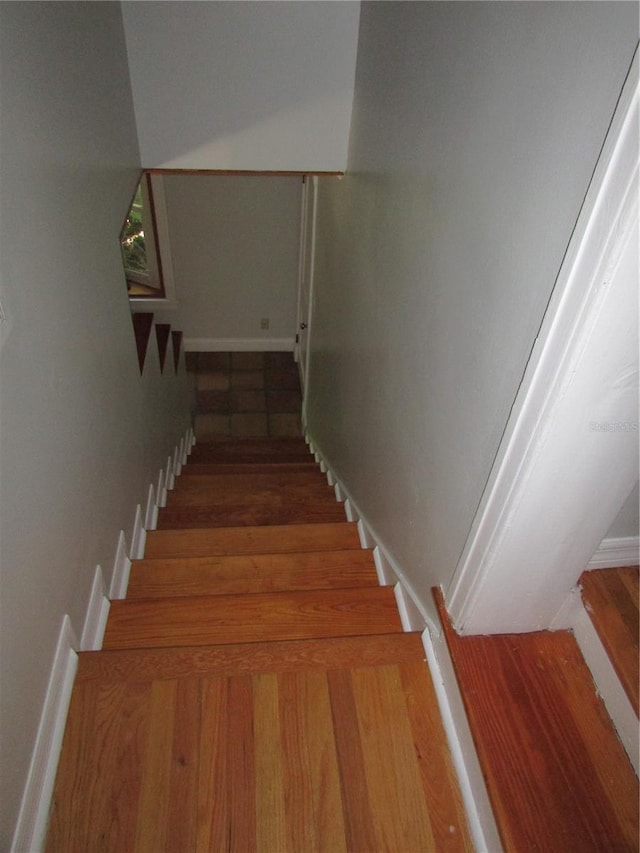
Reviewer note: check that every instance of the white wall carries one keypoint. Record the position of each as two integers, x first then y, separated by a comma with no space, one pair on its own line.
81,434
626,523
252,85
475,131
235,245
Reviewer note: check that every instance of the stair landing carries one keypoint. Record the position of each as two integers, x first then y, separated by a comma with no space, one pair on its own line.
557,775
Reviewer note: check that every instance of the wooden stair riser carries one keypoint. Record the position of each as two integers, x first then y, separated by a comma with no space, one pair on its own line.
233,492
257,444
203,469
274,539
252,451
251,574
211,620
251,515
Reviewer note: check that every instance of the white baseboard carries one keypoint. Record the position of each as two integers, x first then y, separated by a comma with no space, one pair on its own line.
161,491
239,344
386,566
170,476
482,824
138,537
573,616
177,462
608,684
151,511
121,569
36,801
611,553
97,613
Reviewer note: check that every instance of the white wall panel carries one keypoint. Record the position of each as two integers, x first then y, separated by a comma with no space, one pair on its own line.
476,128
81,433
251,85
235,246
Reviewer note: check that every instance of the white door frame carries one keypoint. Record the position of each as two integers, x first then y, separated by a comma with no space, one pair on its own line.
305,281
568,457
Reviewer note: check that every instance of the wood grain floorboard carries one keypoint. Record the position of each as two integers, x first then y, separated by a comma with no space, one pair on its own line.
186,751
252,513
358,815
252,573
446,810
313,801
271,819
213,830
153,806
211,620
249,658
557,775
95,759
391,769
274,539
611,599
241,766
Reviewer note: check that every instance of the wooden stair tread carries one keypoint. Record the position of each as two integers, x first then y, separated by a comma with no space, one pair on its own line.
348,759
210,620
250,658
557,775
275,539
202,469
611,599
251,513
251,573
253,490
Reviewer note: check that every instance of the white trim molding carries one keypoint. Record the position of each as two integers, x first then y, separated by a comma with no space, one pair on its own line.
121,569
568,458
36,801
97,614
151,511
609,686
482,824
239,344
389,572
138,537
614,552
573,616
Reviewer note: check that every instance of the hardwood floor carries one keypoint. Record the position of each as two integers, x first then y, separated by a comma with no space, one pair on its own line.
256,691
611,599
556,773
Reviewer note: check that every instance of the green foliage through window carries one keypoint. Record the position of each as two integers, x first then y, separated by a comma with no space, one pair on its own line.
134,252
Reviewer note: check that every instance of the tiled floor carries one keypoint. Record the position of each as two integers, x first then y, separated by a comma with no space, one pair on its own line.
246,394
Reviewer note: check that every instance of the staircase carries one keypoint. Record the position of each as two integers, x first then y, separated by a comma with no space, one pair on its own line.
255,690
